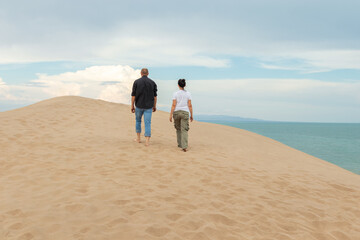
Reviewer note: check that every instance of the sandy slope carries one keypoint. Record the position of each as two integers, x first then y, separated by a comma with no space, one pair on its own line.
70,170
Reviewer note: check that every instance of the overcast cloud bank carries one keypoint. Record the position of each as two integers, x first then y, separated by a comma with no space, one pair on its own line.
320,35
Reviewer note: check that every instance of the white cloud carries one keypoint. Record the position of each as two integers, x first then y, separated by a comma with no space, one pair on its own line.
93,74
332,59
3,87
313,61
110,83
119,92
5,91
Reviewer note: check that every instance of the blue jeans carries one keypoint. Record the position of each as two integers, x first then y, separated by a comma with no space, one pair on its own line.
139,112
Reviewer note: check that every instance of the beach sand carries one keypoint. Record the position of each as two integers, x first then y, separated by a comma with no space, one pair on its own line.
69,169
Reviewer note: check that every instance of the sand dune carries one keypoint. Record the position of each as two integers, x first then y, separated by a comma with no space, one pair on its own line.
70,170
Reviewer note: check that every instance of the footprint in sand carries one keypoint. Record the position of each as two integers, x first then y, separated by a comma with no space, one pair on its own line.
16,213
174,216
26,236
121,202
16,226
193,225
157,231
218,218
116,222
74,207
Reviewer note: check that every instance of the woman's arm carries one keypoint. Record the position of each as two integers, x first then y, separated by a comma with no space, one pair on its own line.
172,109
191,110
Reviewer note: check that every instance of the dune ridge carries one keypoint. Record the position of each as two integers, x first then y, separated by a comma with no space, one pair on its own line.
69,169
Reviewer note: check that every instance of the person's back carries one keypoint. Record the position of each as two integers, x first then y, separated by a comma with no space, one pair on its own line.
143,96
144,90
182,97
180,110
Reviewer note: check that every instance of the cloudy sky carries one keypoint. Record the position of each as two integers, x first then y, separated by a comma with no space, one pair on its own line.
281,60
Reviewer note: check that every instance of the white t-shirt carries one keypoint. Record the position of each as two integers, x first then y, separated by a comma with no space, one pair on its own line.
182,97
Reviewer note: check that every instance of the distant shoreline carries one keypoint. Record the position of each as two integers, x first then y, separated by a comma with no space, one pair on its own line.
333,142
225,118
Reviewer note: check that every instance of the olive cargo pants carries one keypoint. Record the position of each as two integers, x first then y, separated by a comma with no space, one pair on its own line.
181,122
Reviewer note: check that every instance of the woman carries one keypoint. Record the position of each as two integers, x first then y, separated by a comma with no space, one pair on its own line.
180,109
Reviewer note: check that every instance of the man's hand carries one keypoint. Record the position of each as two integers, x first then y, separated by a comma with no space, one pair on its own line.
191,118
170,118
154,109
133,109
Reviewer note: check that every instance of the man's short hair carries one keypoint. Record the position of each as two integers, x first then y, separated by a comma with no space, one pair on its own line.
144,71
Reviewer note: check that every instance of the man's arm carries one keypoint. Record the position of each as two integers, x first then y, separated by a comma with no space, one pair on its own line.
132,104
155,97
133,93
154,107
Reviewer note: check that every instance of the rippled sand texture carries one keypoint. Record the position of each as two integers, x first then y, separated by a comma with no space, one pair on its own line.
69,169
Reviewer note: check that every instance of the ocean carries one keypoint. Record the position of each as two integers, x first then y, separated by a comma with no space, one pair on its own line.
338,143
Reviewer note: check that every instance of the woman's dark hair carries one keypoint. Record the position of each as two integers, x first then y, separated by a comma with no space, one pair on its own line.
182,83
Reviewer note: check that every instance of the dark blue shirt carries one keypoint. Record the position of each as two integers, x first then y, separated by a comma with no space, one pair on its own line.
144,89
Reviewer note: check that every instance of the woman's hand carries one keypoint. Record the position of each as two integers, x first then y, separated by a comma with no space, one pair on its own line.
191,118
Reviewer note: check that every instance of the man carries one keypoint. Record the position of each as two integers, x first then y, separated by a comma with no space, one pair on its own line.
144,95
